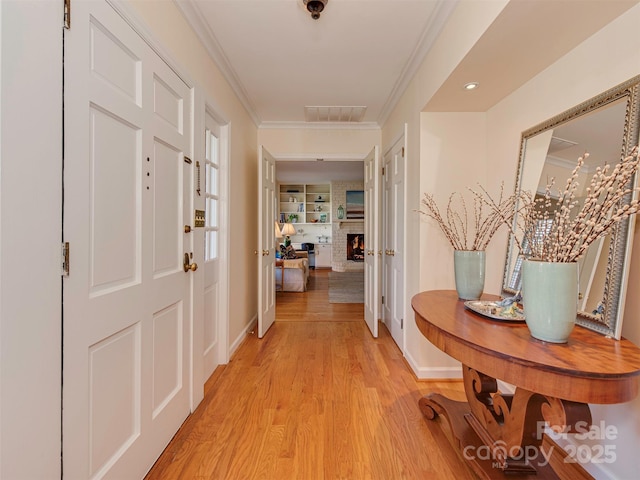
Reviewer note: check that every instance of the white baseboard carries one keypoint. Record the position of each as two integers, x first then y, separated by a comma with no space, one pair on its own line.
251,327
433,373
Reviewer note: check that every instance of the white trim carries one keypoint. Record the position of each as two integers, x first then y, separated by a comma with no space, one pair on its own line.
320,125
197,302
406,313
133,19
192,14
433,373
309,157
429,35
225,236
250,329
569,164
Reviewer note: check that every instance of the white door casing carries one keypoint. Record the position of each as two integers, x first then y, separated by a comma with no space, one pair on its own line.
371,229
267,241
213,288
127,300
394,241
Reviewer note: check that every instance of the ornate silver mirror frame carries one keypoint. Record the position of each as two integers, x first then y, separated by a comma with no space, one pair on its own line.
607,127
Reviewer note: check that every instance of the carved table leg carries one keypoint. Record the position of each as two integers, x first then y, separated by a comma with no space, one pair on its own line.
506,430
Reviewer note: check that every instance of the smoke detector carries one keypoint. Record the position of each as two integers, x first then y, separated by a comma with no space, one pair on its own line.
315,7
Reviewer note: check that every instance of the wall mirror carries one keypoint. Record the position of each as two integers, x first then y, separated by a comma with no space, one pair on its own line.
606,126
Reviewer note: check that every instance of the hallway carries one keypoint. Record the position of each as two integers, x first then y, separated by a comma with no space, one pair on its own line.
317,398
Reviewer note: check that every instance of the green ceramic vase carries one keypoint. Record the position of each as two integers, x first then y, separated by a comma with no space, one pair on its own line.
550,299
469,267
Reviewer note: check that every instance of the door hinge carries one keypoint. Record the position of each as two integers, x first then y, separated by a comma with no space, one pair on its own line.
402,152
382,299
383,171
67,14
401,323
65,259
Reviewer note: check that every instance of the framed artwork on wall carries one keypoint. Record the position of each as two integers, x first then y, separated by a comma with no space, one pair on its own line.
355,204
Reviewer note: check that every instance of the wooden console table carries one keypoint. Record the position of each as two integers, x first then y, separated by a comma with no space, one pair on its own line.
554,384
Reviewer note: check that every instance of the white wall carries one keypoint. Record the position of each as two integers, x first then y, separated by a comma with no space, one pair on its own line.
30,238
319,140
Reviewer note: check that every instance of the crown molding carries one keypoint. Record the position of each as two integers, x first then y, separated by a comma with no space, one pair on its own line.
194,17
569,164
429,35
320,125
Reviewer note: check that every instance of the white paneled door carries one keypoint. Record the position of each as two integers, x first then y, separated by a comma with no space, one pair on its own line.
371,238
127,299
267,241
394,241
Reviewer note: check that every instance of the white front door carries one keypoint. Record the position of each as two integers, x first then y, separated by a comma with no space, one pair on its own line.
394,216
267,241
371,229
127,299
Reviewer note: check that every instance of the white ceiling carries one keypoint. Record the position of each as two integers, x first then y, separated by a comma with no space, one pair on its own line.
359,53
363,53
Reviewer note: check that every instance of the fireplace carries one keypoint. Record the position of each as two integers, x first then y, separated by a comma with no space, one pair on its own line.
355,247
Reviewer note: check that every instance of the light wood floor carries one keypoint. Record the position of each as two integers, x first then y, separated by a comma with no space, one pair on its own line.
317,398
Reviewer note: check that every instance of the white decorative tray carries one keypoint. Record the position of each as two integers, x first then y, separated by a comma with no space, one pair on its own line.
513,313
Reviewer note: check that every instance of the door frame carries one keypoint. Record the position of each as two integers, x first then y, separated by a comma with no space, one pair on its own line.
203,104
30,385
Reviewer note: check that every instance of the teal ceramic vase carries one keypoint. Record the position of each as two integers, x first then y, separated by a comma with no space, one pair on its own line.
469,267
550,299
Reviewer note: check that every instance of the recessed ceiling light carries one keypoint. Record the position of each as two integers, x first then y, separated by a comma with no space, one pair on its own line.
471,85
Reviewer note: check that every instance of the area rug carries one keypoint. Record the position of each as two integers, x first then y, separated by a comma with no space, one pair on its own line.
346,287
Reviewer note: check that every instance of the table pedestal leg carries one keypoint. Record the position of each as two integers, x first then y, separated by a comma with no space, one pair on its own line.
500,434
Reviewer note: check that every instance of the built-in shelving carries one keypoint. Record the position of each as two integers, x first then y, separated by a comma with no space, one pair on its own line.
305,203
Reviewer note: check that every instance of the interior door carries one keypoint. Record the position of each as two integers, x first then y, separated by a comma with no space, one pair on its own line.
212,285
394,241
127,299
267,242
371,229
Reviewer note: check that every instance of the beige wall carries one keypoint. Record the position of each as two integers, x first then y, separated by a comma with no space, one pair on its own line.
608,58
489,153
170,29
465,26
322,141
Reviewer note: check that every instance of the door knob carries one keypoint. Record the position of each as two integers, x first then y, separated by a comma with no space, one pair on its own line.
188,265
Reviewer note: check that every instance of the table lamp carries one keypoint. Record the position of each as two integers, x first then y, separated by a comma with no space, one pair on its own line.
287,230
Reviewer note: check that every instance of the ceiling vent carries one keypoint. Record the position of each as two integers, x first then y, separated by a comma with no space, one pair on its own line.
334,114
557,144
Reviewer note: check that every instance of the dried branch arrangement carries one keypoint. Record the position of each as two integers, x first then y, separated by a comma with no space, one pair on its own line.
561,228
455,221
